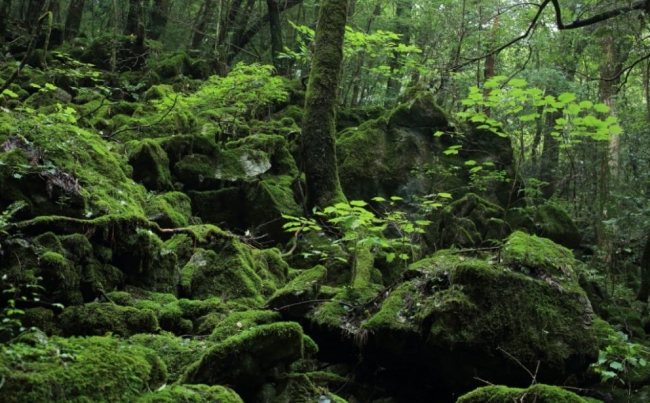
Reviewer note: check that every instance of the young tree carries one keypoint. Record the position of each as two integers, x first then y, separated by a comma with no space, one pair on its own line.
319,125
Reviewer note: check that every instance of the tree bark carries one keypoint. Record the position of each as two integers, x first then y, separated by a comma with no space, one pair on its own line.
4,19
276,35
158,18
644,290
403,16
319,119
199,33
73,19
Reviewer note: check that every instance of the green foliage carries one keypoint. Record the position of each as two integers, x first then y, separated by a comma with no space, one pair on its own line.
229,101
620,357
518,107
360,228
18,295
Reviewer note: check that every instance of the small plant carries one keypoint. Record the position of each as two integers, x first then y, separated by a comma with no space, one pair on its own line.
619,358
361,228
10,317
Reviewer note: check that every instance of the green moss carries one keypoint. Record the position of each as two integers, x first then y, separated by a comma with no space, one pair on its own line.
548,221
236,323
537,393
537,253
469,222
107,318
177,353
40,318
229,273
94,369
305,287
170,210
246,357
122,298
191,394
150,164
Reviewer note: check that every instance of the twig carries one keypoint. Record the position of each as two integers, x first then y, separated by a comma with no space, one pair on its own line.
301,303
483,380
145,126
533,376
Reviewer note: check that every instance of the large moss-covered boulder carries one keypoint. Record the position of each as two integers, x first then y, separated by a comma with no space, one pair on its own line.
461,317
549,221
538,393
244,361
191,394
107,318
293,298
470,221
415,152
169,210
97,369
150,165
230,271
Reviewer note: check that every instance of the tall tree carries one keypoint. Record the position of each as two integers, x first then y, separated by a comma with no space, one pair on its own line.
275,29
204,17
73,19
158,17
319,119
4,19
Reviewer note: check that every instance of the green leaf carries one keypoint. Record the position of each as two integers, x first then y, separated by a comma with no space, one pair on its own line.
616,365
444,195
50,86
358,203
566,97
470,163
601,108
517,82
9,93
378,199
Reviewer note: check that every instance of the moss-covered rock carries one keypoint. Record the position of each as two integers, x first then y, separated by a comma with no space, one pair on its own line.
468,222
106,318
305,287
150,165
191,394
474,314
177,353
549,221
238,322
537,393
170,210
98,369
245,360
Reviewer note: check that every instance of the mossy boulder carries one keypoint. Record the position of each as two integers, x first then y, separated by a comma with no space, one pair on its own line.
106,318
293,296
230,273
150,165
97,369
170,210
191,394
470,315
244,361
549,221
470,221
176,352
538,393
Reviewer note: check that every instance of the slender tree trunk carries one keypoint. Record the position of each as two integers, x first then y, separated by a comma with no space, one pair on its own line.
276,35
73,19
319,120
158,19
202,26
403,15
644,291
4,19
550,156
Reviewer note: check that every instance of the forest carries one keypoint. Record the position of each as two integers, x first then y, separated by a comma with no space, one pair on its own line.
334,201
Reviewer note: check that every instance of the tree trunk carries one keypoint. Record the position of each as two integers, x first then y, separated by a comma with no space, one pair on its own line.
644,291
403,15
73,19
135,21
550,156
201,27
4,19
319,119
158,19
276,35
